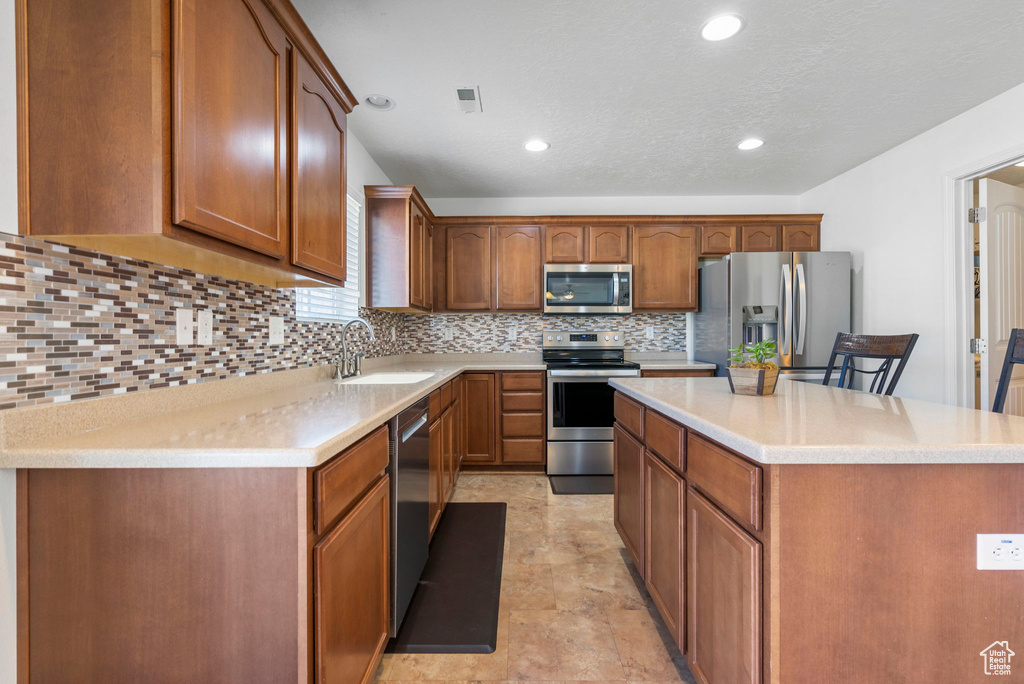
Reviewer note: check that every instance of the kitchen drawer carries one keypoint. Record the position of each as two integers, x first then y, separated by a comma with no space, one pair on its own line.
522,425
522,381
522,401
629,414
733,482
522,451
679,373
435,405
446,395
339,484
665,438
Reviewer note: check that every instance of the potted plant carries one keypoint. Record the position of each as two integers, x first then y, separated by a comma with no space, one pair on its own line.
756,375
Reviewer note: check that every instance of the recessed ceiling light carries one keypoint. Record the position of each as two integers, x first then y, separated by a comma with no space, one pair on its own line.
381,103
721,27
537,145
750,144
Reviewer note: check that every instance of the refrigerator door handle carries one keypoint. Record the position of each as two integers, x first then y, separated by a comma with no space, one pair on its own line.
786,309
801,308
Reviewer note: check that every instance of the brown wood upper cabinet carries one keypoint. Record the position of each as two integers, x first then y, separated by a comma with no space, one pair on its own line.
517,267
760,238
399,249
468,266
586,244
719,240
230,77
665,268
801,238
213,103
319,188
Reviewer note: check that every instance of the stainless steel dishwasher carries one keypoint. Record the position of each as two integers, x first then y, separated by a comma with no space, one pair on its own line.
410,513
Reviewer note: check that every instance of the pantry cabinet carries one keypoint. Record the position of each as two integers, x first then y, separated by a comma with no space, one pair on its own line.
399,249
212,102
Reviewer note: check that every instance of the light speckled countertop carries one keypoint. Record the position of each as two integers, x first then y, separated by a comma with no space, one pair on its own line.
297,418
811,424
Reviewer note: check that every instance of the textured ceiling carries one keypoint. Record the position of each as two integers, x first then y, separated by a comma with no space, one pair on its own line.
634,102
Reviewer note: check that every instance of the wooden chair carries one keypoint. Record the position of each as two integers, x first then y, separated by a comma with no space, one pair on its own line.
1014,354
887,348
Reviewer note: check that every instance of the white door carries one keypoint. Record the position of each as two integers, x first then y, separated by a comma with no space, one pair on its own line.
1002,286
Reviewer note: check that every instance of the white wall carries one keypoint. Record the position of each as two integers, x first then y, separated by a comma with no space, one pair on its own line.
548,206
8,224
889,213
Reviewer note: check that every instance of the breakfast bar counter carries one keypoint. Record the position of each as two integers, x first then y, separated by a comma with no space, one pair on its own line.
820,534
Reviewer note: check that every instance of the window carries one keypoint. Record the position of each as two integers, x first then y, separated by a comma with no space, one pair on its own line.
336,304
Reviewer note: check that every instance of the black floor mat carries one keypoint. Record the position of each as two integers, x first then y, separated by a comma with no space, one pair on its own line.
455,607
582,484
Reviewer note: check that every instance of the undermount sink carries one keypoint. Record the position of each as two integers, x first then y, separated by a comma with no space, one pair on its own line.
400,378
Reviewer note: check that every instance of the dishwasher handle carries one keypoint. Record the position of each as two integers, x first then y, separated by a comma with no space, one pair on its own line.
411,430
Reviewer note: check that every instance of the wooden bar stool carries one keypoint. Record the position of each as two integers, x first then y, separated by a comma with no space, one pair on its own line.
887,348
1014,354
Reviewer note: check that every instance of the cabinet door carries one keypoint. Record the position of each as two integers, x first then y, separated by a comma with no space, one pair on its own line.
608,244
230,80
435,490
760,238
351,568
719,240
564,245
629,494
448,456
427,275
724,601
665,268
801,238
665,544
479,397
458,437
469,268
517,266
318,167
417,251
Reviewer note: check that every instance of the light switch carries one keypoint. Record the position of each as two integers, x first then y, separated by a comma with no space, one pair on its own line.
204,328
649,332
276,330
1001,551
184,326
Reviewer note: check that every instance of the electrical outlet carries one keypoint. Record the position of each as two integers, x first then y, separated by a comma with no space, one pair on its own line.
449,335
184,326
204,329
1001,551
394,334
513,334
649,332
276,330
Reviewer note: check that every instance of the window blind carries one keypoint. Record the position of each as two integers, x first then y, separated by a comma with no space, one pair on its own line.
336,304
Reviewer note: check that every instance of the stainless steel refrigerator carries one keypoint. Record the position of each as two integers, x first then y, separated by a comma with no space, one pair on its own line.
799,299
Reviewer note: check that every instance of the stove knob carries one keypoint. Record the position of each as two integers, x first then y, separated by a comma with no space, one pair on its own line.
559,338
549,338
606,338
616,338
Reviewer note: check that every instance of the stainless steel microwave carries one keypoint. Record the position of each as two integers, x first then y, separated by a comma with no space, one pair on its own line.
588,288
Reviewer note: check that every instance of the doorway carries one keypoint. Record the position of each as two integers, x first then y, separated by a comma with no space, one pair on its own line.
996,280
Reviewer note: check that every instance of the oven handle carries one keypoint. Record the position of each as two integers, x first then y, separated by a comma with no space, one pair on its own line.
624,373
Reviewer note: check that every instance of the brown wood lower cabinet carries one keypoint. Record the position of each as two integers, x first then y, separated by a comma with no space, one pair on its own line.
665,544
677,373
435,488
724,603
205,574
629,494
479,412
351,567
521,420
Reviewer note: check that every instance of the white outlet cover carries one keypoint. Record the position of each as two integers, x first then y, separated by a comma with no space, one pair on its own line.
649,332
1001,551
184,327
449,335
513,334
276,330
204,328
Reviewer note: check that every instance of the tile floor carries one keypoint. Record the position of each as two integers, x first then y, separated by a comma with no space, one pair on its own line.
572,609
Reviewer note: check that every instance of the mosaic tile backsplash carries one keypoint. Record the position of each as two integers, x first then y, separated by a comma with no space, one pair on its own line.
76,324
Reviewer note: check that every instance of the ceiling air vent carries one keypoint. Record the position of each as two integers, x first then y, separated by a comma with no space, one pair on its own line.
468,99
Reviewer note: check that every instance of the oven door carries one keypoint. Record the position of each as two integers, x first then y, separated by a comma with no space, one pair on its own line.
588,288
581,404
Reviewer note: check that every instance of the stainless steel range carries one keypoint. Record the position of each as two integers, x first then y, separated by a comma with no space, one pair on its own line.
580,400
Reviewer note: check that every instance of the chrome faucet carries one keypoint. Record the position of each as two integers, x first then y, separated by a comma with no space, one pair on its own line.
347,366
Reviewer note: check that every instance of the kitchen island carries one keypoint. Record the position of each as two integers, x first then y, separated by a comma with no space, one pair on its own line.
821,535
